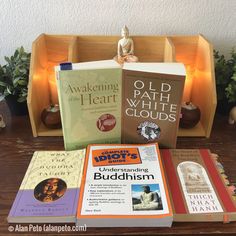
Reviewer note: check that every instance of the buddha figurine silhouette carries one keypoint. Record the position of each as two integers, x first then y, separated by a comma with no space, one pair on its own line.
125,50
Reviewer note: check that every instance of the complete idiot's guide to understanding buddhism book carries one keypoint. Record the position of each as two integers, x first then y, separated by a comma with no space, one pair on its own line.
50,189
101,103
124,186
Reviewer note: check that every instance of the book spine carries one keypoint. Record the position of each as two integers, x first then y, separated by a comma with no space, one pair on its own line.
173,182
66,66
229,186
217,181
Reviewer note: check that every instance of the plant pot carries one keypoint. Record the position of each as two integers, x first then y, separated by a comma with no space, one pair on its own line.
191,115
16,108
224,107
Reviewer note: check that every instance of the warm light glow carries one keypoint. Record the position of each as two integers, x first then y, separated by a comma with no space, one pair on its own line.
188,83
37,77
52,86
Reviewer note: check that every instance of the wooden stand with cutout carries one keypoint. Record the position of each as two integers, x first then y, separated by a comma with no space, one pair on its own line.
51,50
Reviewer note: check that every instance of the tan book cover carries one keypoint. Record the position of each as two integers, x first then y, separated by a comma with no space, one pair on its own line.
151,102
198,189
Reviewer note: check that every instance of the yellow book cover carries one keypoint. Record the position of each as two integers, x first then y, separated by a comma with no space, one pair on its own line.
50,188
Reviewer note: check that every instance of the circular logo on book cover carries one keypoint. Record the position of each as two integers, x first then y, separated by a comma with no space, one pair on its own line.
149,131
50,190
106,122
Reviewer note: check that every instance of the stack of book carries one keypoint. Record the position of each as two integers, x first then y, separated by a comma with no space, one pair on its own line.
101,102
110,184
124,186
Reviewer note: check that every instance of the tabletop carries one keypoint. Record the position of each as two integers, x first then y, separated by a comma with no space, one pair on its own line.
17,145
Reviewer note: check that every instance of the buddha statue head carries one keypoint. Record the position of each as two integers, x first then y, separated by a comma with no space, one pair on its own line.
125,32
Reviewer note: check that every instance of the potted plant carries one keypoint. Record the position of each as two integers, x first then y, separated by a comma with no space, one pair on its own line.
14,77
225,73
231,88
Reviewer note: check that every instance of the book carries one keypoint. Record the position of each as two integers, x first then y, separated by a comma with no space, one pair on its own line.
151,102
50,189
198,190
90,102
124,186
92,95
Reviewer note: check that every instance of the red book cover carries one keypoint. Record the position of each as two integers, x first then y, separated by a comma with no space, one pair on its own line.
198,191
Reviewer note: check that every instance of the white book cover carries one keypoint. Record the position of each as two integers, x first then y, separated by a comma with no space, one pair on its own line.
124,185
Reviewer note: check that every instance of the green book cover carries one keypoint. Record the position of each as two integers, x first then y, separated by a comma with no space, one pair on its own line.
90,103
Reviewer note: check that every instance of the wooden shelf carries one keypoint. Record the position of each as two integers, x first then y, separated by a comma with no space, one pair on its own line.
197,131
51,50
44,131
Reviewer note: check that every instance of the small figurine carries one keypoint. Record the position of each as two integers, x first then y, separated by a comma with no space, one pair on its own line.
190,115
232,116
125,50
2,123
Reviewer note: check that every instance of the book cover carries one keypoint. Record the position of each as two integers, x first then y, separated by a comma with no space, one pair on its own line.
151,102
124,186
198,191
50,189
90,103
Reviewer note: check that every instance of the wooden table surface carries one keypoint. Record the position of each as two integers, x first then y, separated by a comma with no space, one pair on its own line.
17,146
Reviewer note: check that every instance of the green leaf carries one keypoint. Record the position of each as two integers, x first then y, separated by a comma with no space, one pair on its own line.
5,93
22,82
21,99
1,97
3,84
24,58
234,77
23,70
24,94
9,90
15,81
16,53
7,59
231,91
21,50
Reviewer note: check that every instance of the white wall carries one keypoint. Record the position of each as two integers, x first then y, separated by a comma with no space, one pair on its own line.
21,21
